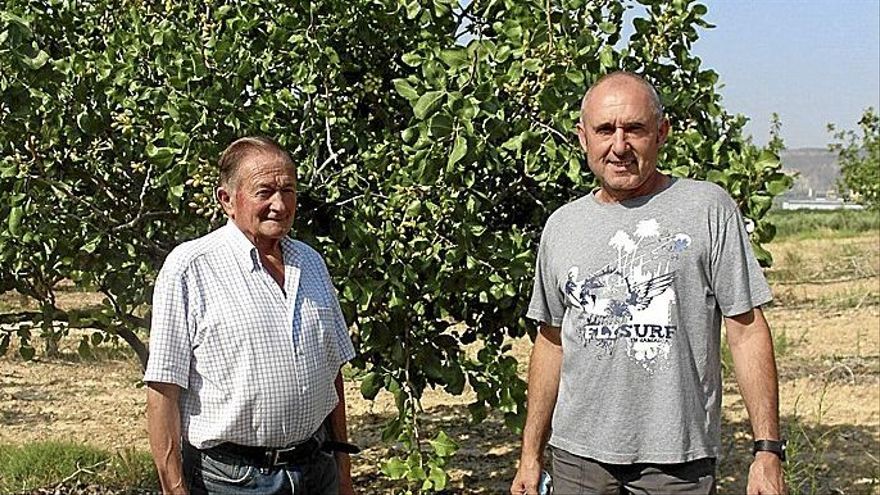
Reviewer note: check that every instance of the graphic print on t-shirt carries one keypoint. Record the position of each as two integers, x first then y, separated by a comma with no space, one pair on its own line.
631,300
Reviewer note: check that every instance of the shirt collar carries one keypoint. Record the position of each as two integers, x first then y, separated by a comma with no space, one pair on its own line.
247,252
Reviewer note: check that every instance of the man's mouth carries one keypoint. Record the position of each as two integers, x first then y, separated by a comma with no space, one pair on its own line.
621,163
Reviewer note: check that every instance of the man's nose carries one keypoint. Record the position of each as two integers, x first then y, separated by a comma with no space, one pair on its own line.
276,202
619,143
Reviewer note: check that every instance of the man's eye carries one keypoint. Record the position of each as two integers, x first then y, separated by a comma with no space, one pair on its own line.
604,131
264,193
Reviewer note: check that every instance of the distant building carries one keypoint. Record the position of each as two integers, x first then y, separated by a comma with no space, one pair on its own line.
819,204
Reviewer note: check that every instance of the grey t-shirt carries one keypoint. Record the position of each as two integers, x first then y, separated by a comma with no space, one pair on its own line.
639,289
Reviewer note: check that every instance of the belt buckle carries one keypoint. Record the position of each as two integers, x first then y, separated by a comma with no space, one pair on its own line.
276,453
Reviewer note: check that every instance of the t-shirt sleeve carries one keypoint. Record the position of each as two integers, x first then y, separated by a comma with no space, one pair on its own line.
170,348
737,279
343,341
546,305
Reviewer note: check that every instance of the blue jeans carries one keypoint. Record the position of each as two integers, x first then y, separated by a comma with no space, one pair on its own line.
228,475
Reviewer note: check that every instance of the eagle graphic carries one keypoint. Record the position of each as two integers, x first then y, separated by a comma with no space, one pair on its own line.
611,293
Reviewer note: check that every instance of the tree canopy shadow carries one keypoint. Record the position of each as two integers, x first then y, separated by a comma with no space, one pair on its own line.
485,461
823,459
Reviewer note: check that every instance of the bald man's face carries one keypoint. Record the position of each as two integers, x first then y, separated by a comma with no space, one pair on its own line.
621,136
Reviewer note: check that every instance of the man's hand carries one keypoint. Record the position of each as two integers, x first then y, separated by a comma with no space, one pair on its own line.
544,368
527,477
754,363
765,475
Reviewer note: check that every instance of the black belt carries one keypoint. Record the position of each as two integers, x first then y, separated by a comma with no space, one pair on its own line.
272,457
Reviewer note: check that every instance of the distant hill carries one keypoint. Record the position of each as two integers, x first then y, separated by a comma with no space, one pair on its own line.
817,172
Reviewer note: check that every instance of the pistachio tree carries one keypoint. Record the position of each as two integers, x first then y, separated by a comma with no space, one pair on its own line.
432,140
858,154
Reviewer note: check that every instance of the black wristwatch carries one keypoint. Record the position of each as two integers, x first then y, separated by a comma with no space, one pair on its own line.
775,446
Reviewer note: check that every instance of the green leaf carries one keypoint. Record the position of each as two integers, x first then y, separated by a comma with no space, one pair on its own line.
427,103
531,64
413,209
161,156
404,89
90,246
778,186
371,384
608,27
412,59
27,352
14,221
606,57
717,176
176,191
455,58
459,149
395,468
513,30
441,125
412,9
438,478
443,445
38,60
575,76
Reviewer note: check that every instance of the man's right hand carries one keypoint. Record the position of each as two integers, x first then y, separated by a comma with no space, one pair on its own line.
527,477
544,368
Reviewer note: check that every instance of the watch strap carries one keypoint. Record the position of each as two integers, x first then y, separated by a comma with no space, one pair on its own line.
775,446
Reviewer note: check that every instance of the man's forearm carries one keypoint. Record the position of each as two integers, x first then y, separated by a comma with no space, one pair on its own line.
339,432
544,368
751,347
163,427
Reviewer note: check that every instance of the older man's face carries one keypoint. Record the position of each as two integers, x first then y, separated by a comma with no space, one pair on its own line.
621,136
262,199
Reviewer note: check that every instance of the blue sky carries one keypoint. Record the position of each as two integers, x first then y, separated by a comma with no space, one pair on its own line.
811,61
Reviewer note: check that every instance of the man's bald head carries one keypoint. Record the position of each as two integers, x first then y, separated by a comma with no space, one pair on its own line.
621,78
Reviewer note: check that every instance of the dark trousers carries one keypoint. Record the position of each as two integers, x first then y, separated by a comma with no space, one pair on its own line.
574,475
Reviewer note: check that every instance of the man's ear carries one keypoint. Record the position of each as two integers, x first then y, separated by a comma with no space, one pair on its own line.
224,196
663,132
582,136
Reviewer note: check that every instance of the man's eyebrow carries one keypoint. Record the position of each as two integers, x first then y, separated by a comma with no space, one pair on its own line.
627,124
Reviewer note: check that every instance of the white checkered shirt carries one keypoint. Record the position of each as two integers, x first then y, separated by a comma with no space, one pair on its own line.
257,364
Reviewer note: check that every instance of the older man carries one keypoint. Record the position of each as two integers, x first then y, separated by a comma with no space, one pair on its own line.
244,390
632,282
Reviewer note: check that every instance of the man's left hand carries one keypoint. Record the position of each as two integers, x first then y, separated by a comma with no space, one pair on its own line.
765,475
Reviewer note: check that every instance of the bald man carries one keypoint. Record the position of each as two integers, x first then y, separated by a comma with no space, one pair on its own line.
632,282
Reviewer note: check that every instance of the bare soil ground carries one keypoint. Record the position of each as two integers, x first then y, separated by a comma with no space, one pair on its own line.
826,321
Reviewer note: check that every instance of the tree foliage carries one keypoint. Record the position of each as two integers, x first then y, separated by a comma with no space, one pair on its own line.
859,160
432,142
